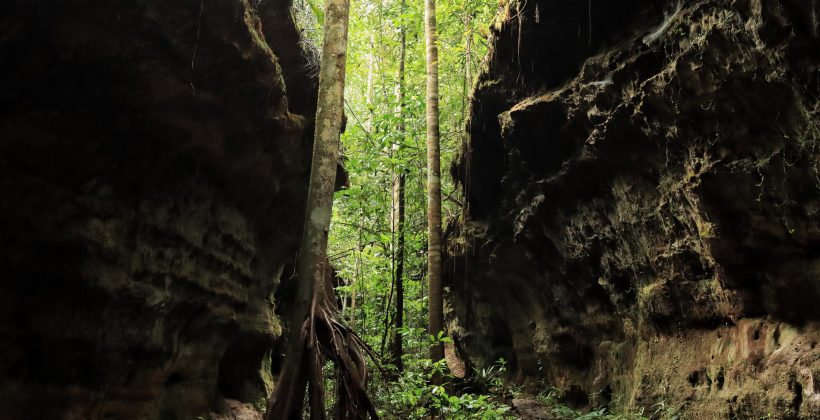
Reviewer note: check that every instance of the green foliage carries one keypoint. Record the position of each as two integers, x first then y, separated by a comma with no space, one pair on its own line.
491,377
362,245
413,395
551,398
317,11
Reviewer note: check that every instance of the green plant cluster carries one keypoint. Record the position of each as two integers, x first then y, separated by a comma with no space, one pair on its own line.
560,411
413,395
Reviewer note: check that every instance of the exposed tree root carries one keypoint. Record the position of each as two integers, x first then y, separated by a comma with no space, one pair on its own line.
325,338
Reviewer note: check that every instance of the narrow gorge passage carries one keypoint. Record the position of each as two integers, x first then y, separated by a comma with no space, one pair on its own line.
629,198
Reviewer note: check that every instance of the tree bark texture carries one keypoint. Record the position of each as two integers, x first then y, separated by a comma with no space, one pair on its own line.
436,306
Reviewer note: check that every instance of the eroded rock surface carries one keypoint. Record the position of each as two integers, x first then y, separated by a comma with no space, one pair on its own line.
153,168
643,186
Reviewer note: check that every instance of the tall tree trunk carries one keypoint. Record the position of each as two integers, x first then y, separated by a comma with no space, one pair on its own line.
286,401
396,350
436,309
313,252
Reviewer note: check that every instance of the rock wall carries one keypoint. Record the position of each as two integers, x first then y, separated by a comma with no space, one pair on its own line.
153,166
643,189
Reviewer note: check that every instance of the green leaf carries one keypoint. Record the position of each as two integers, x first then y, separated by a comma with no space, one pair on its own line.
317,11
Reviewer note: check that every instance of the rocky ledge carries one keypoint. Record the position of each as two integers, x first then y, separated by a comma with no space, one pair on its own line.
643,221
153,167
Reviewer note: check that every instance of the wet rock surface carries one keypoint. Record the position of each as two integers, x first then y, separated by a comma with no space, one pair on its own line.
643,189
153,167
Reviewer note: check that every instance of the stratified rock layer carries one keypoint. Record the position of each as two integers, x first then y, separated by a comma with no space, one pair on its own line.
153,176
643,188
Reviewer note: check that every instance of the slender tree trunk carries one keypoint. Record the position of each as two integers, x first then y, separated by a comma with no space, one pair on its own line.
311,269
362,282
436,309
371,69
386,311
396,350
313,252
357,268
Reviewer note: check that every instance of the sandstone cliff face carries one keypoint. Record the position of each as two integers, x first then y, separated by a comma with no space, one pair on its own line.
153,167
643,183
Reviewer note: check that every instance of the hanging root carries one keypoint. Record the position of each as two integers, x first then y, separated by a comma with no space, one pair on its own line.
668,18
347,351
325,338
